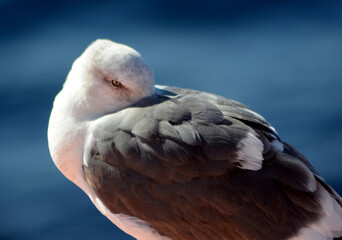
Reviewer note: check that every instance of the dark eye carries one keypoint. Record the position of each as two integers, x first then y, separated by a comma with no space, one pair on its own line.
116,83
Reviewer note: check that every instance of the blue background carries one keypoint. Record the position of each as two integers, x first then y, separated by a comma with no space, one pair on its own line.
281,58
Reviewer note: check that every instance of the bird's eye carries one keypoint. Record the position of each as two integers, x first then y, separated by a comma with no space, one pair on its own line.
116,83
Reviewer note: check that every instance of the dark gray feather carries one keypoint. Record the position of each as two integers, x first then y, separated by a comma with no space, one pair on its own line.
170,160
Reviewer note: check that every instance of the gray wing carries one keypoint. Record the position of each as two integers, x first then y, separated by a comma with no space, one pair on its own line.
180,161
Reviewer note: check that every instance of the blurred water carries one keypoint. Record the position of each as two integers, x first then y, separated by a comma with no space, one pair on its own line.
282,59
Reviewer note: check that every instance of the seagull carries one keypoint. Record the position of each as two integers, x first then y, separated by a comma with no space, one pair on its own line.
167,163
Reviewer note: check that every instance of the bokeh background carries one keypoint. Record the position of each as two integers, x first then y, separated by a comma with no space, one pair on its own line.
281,58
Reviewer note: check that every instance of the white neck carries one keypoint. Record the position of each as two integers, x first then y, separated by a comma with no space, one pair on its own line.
66,136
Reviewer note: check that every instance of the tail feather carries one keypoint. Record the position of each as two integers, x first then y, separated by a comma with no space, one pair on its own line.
329,225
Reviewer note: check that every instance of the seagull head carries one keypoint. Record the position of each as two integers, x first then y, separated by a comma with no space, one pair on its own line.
107,77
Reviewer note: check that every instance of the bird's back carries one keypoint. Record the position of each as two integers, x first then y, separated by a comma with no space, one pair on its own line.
198,166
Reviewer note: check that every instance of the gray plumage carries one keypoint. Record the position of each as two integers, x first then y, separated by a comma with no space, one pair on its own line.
170,160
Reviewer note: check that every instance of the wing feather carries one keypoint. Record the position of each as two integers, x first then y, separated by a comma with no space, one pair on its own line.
176,162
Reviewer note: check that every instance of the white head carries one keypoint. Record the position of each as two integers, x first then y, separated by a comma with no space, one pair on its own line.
107,77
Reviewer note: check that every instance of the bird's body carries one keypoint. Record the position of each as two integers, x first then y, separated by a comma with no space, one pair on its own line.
171,163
